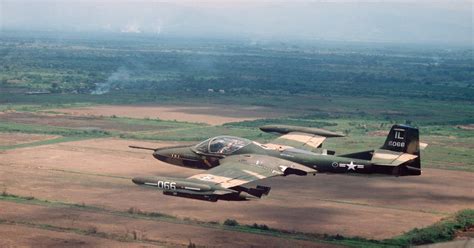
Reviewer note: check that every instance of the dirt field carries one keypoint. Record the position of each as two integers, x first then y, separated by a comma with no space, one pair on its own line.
9,139
466,127
97,173
150,232
24,236
76,122
211,114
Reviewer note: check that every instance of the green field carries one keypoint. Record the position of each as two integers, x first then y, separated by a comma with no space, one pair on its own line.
355,88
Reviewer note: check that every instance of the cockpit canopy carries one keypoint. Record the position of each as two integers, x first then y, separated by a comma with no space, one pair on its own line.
222,145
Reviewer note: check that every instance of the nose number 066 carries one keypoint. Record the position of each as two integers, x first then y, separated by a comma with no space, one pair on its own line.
166,185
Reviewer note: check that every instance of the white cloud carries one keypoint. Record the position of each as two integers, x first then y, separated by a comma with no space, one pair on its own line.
131,28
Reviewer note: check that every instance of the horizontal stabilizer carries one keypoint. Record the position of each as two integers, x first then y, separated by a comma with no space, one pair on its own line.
423,146
391,158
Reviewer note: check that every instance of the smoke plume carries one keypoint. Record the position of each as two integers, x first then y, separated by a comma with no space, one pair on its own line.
120,76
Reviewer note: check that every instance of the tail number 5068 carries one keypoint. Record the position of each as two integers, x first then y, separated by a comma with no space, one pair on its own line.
167,185
396,143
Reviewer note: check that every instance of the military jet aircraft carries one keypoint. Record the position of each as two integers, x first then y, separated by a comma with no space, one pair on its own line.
231,162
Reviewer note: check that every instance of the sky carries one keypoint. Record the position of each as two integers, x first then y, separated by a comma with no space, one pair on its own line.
443,22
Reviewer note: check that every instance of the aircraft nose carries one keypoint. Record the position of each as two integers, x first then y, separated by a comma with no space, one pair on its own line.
138,180
161,155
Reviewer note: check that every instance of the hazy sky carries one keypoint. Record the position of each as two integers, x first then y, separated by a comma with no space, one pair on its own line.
396,21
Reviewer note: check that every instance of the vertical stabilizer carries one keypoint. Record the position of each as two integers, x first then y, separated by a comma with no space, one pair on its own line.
404,140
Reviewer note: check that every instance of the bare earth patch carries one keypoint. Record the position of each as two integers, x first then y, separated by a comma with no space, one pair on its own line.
211,114
379,133
24,236
97,172
10,139
76,122
150,232
466,127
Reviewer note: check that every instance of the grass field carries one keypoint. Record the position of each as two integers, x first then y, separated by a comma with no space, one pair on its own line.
450,147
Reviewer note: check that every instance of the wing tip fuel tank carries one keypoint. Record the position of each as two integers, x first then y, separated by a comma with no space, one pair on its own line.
189,189
284,129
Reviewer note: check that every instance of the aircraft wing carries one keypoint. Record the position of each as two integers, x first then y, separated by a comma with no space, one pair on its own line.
297,140
298,137
241,169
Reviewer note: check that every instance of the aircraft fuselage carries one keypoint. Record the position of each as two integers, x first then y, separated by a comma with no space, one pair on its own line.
322,162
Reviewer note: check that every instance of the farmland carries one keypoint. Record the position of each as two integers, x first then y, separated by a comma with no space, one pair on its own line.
70,107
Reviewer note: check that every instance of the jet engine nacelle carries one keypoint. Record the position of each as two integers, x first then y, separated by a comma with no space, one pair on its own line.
296,169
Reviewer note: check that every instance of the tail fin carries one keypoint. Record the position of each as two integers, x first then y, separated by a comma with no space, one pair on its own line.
399,155
405,140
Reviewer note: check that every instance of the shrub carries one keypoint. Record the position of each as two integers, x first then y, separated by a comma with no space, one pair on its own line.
465,218
231,222
134,210
91,230
439,232
261,226
191,245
